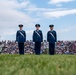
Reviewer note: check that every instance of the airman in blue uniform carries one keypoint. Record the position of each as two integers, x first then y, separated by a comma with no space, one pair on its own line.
51,38
21,38
37,38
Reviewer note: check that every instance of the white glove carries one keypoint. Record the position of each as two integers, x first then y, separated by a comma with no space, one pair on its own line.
33,42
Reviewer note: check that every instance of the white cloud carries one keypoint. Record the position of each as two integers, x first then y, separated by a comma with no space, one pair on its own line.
11,14
66,33
64,30
13,4
36,9
59,5
59,1
58,14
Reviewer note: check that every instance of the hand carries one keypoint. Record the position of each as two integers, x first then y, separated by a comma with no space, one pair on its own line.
16,42
41,43
55,42
33,42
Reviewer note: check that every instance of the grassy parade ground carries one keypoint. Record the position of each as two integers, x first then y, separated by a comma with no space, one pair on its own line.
37,65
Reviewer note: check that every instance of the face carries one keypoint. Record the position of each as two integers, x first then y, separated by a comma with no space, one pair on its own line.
21,28
51,28
37,28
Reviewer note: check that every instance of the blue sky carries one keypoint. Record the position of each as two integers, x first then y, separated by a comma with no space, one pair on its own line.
61,13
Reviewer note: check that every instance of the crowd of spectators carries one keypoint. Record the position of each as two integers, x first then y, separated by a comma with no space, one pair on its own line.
62,47
65,47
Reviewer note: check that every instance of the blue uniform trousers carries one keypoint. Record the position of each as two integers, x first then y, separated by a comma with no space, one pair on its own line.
21,48
51,49
37,48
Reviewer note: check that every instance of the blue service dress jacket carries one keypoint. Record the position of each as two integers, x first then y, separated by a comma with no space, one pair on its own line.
21,36
52,36
37,36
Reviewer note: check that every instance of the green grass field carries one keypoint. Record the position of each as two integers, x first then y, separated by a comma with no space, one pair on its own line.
37,65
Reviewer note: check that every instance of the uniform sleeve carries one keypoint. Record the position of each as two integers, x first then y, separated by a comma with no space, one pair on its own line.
41,36
48,36
17,36
25,35
55,36
34,36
